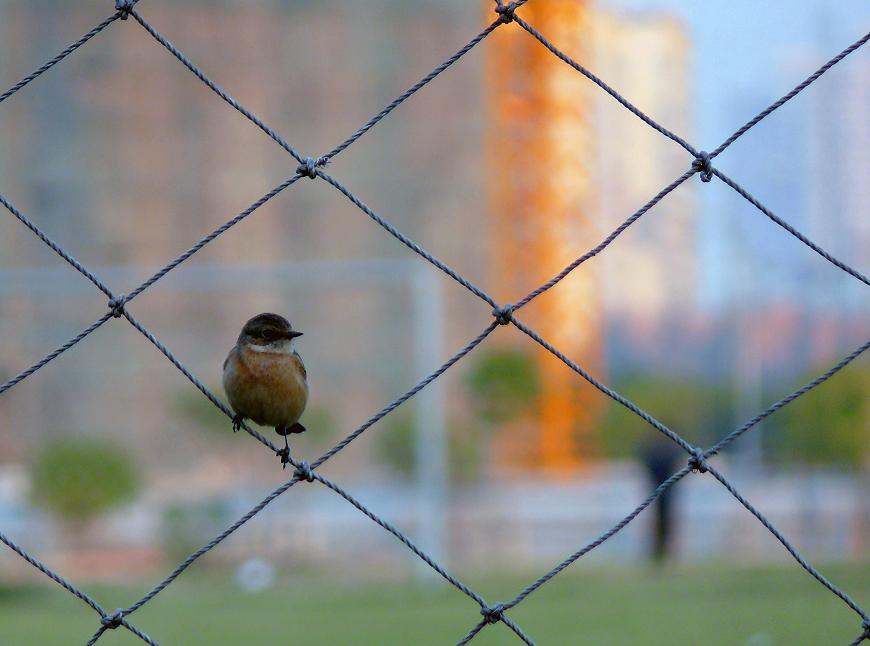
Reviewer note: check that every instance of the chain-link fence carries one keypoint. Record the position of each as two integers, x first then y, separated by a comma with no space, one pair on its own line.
503,314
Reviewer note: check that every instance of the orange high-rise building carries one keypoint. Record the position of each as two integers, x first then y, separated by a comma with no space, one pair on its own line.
566,165
541,200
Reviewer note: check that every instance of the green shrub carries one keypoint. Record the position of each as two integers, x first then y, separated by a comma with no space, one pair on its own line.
79,479
697,410
396,447
396,443
186,526
192,405
830,425
504,383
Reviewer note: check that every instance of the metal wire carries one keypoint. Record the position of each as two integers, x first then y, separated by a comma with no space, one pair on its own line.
311,167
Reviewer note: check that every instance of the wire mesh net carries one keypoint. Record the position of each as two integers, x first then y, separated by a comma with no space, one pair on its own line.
314,168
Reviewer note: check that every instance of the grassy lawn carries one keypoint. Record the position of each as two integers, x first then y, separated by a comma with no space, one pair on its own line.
721,604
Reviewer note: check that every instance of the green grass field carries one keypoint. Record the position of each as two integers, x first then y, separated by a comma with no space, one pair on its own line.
713,605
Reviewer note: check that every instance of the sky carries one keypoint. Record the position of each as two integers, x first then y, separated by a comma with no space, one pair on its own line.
738,44
755,52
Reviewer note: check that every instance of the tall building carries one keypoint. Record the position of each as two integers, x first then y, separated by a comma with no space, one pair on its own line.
568,165
543,200
651,269
837,191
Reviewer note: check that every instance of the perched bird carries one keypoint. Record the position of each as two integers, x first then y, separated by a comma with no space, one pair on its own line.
265,379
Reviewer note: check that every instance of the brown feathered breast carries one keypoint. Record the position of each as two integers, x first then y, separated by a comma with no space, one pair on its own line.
269,388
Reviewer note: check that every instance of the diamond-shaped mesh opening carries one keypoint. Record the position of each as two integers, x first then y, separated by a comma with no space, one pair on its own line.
508,16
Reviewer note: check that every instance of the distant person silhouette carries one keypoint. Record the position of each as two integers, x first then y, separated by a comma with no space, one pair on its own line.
659,456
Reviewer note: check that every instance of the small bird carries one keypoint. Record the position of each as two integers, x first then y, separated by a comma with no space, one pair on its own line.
265,379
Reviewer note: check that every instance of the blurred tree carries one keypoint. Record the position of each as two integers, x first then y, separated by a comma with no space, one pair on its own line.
192,405
465,451
395,444
78,479
396,447
187,526
829,426
504,383
699,411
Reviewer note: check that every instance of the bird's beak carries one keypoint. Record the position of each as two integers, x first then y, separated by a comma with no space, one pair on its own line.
292,334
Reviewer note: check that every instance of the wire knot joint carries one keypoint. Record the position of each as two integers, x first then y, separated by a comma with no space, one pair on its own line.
116,305
506,12
304,472
702,165
697,461
114,620
308,168
866,626
503,314
492,615
124,7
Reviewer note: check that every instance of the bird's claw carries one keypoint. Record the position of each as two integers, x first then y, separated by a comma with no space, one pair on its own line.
237,423
284,454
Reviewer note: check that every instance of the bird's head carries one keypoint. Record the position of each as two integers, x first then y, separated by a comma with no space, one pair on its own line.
268,332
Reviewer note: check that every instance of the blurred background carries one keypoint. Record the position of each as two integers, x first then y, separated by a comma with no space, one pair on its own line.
113,467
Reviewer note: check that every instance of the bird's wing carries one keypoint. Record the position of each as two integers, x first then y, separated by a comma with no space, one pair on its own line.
224,367
301,365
